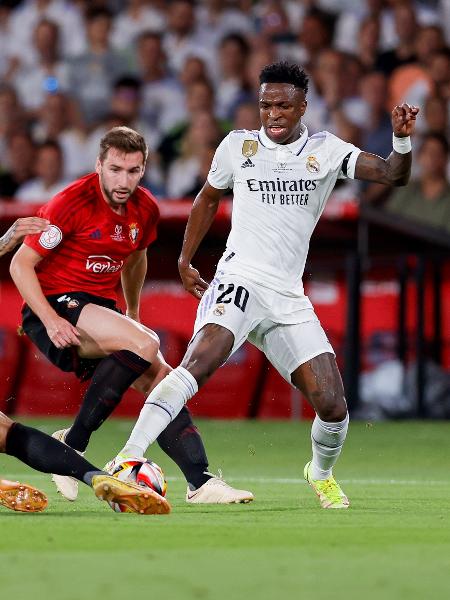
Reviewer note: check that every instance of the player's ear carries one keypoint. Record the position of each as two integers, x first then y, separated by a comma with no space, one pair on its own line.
304,105
98,166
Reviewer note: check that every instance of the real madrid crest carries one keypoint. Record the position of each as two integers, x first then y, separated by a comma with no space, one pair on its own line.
133,232
312,164
249,148
219,310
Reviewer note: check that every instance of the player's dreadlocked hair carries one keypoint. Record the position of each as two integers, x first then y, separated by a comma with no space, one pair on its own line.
284,72
124,139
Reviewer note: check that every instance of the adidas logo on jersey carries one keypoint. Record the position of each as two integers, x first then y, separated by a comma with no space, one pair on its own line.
247,163
96,234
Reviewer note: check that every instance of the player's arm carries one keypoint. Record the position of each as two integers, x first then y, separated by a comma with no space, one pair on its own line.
22,269
202,215
133,277
396,168
19,229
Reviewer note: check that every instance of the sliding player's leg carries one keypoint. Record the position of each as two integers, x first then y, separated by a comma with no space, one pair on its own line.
46,454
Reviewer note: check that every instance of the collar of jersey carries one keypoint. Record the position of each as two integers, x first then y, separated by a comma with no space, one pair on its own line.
295,147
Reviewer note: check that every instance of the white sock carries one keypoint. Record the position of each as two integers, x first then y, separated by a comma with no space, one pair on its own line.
161,407
327,440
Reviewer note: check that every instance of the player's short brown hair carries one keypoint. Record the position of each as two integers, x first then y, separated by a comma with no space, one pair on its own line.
125,139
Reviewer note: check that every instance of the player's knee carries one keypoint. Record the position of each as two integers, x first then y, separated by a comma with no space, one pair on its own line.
147,346
5,426
330,406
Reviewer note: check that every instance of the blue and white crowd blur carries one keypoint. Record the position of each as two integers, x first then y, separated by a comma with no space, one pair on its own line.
184,73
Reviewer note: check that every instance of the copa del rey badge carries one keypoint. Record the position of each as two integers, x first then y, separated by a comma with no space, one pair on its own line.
134,232
249,148
312,164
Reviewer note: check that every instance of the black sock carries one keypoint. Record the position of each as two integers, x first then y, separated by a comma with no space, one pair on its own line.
181,441
44,453
110,381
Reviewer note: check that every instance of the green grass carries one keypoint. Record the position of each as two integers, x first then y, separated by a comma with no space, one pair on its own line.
394,541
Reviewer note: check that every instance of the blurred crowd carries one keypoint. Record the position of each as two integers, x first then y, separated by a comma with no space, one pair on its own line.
184,73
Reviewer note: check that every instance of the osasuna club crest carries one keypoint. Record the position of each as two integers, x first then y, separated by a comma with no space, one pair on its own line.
312,164
249,148
133,232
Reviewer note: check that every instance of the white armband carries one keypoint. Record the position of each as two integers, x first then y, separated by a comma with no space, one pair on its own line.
402,145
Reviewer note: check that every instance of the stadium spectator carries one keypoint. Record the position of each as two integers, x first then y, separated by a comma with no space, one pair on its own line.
49,73
5,38
59,119
413,81
93,72
202,133
136,18
217,19
440,73
375,121
199,99
12,117
101,227
315,34
162,96
182,38
246,116
232,86
436,116
49,175
368,42
427,199
404,51
29,13
20,165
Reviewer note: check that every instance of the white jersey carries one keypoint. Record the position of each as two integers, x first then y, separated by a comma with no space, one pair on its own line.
279,194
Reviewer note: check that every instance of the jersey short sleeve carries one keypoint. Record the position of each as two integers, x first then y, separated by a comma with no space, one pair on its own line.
62,217
220,175
342,156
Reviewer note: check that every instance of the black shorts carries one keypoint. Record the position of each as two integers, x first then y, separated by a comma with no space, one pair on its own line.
68,306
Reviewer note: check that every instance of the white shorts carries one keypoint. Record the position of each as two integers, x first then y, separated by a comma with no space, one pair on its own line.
285,328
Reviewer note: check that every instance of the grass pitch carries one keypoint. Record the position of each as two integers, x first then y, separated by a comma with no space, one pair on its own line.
393,542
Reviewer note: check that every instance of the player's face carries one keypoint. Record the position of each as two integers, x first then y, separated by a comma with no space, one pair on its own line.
120,174
281,107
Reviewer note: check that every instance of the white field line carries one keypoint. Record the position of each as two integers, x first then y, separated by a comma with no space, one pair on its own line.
273,480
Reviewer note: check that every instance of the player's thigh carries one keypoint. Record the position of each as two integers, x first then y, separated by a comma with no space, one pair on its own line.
5,425
207,351
103,331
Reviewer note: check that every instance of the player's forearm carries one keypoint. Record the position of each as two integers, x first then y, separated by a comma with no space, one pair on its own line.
393,170
202,215
132,283
24,276
6,242
399,167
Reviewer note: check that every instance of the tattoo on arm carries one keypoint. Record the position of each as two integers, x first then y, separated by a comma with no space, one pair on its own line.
6,239
393,170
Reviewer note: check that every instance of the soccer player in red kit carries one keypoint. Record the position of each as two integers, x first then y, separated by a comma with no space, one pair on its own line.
40,451
101,226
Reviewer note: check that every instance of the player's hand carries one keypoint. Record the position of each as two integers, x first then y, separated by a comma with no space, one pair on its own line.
62,333
404,120
192,281
19,229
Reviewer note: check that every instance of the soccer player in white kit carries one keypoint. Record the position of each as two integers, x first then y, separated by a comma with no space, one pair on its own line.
281,179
